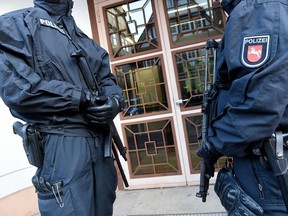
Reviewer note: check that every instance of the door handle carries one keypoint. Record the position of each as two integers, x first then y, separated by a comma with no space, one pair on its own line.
180,101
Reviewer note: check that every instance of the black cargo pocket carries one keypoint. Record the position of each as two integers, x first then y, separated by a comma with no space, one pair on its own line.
56,202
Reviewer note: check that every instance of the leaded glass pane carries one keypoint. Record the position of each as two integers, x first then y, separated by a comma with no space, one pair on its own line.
152,148
143,86
193,128
191,74
193,21
132,28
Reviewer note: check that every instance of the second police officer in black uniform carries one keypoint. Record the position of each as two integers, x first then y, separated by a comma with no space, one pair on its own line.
252,68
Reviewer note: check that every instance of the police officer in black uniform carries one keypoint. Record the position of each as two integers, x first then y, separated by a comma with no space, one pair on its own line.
42,84
252,68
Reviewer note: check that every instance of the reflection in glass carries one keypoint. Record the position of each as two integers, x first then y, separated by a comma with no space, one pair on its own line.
195,20
143,86
152,148
191,74
132,28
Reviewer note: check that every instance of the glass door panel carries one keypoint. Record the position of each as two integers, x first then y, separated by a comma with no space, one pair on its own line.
144,86
193,21
152,148
192,124
131,28
190,74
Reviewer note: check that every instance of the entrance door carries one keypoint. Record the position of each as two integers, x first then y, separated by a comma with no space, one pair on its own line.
157,50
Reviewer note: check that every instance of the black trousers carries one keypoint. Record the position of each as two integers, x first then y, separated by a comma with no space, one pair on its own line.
84,181
261,184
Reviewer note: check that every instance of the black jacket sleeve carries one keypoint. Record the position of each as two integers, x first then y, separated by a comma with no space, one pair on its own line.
257,101
22,88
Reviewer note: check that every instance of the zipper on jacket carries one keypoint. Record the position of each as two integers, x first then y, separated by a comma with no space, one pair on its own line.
261,191
260,186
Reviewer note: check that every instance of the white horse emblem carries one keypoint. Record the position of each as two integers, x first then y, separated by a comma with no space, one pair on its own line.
253,51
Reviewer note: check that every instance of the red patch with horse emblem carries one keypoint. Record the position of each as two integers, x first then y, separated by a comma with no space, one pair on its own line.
255,50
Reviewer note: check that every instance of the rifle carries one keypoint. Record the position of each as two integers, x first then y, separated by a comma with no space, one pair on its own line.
116,142
274,153
204,179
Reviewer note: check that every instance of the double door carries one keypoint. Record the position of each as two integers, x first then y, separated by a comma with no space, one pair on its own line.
157,52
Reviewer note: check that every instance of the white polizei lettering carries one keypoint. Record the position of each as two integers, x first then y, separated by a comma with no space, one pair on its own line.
41,21
256,40
49,23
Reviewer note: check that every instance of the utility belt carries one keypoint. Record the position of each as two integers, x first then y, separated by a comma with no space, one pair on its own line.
69,130
280,142
273,153
102,132
32,138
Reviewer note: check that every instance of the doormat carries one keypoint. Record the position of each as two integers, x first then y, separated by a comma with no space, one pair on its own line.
194,214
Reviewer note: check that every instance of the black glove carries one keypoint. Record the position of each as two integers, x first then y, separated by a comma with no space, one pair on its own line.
101,110
210,156
233,198
103,113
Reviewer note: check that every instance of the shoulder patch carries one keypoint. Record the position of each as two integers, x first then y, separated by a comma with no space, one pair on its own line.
255,50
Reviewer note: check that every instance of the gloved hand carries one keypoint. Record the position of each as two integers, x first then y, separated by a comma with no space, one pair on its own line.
101,110
233,198
210,156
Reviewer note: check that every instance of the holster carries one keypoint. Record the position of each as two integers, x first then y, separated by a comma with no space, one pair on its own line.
274,153
32,142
